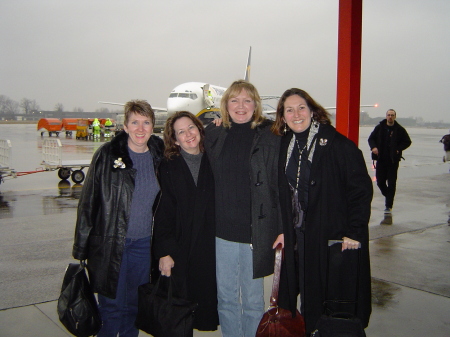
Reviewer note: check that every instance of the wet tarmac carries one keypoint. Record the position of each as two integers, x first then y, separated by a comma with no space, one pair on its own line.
409,249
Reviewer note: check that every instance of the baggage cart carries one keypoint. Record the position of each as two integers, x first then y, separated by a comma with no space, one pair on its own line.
52,161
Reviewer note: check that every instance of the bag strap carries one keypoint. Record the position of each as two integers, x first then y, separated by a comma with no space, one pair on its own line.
276,276
169,289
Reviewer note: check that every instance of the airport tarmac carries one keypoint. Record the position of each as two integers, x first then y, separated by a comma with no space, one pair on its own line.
409,249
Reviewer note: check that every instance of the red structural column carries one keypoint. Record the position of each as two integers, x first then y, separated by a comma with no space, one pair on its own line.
349,68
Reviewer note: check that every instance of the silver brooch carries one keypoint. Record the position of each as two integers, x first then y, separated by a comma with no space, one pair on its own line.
323,142
118,163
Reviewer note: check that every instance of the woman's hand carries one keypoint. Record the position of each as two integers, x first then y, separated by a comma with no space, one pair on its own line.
280,239
350,244
165,265
217,121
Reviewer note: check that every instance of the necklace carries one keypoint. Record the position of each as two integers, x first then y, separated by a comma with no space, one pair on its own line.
299,162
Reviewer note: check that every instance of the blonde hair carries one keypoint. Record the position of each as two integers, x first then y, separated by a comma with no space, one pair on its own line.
233,91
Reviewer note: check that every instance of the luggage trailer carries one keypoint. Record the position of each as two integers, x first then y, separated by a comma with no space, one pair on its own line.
52,161
5,160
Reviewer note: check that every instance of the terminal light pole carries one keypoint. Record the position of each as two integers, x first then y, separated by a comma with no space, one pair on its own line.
349,68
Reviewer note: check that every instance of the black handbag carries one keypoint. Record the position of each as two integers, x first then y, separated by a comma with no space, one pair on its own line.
340,323
161,314
77,306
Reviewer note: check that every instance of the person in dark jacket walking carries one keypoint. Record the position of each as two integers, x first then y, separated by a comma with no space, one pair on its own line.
184,230
387,142
115,217
325,194
446,141
244,157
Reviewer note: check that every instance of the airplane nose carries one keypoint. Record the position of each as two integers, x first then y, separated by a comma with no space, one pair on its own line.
174,104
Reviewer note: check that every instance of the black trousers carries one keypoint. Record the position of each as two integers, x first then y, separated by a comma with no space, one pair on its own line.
386,174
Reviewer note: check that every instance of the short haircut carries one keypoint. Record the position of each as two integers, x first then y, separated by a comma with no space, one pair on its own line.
233,91
140,107
170,148
395,113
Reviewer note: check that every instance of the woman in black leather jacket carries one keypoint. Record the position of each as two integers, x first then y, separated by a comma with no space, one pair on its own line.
114,220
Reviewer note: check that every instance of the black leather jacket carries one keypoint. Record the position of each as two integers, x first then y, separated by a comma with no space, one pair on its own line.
104,211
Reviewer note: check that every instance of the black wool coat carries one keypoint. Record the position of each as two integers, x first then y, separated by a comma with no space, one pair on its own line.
339,201
184,229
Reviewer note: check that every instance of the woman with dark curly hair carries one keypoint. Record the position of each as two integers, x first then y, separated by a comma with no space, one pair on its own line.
325,194
184,230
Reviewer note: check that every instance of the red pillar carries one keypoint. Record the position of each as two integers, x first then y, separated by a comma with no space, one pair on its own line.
349,68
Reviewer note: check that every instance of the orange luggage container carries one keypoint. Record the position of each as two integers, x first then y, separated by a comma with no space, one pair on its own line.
69,125
52,125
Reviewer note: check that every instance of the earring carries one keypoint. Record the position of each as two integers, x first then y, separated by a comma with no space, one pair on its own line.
285,128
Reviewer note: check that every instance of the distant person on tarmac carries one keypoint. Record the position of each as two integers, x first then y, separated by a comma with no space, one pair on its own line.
446,141
96,128
387,141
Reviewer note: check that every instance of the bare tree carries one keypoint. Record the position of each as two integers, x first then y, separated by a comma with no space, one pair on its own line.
8,106
59,107
102,110
78,109
29,105
3,100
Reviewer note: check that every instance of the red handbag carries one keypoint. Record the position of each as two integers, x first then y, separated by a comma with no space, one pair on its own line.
276,321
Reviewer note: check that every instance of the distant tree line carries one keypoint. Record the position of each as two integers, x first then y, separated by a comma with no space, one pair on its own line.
29,106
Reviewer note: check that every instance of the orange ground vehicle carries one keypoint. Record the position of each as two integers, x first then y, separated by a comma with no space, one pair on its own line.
52,125
69,125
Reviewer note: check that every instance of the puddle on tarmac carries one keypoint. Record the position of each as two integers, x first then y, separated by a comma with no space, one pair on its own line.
384,294
31,203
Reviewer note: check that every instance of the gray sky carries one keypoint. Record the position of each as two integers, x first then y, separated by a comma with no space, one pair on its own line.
79,52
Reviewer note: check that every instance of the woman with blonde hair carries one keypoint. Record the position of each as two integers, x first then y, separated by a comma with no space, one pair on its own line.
244,158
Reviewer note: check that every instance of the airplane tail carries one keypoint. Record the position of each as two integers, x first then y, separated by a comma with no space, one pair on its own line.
247,69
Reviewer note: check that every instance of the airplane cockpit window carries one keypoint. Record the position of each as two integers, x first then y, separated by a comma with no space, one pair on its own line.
184,95
193,96
174,94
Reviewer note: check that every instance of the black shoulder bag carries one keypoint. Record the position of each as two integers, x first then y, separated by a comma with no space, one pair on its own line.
77,306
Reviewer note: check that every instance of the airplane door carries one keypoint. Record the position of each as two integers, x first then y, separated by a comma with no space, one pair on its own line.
208,96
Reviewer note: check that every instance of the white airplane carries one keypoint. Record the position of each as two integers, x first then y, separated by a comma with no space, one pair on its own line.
203,100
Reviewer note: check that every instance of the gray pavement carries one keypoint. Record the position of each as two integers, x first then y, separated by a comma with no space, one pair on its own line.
409,256
409,251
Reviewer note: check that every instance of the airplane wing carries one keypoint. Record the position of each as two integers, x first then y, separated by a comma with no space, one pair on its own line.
361,106
269,110
155,109
267,97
